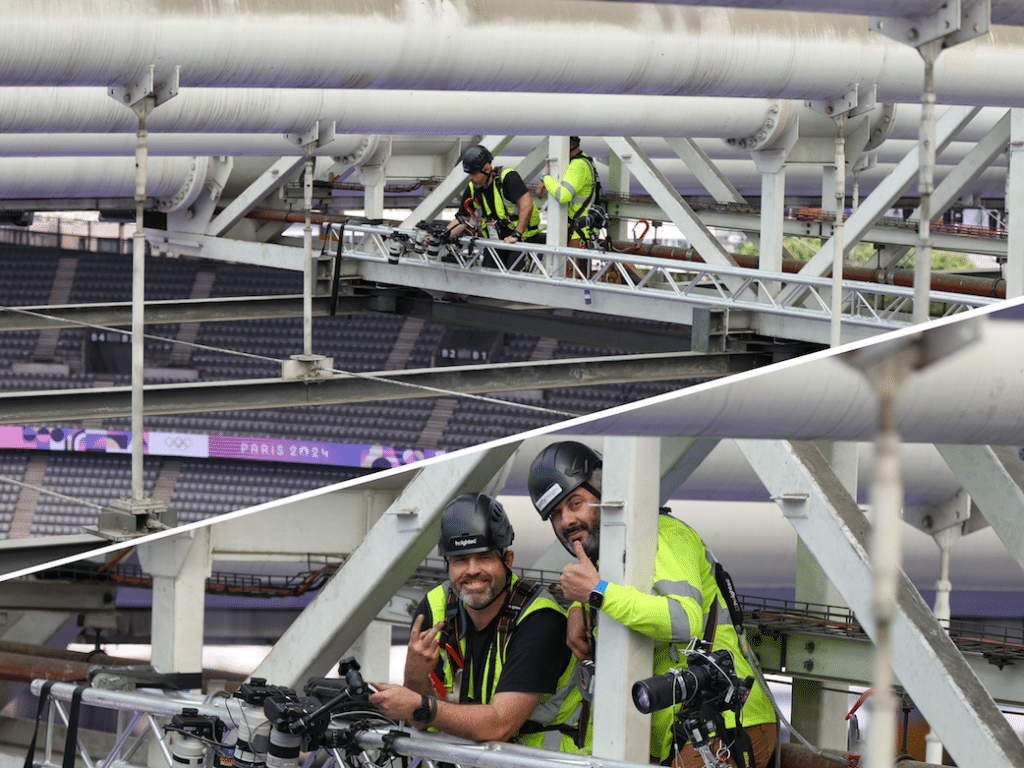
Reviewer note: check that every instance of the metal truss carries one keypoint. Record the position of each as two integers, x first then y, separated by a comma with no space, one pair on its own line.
609,282
141,715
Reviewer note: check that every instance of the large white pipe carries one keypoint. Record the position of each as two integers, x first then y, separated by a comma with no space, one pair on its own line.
285,110
289,110
167,178
435,45
109,173
1002,11
971,397
724,495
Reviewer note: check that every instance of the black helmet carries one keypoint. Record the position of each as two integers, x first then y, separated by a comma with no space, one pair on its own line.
559,470
574,141
473,523
476,158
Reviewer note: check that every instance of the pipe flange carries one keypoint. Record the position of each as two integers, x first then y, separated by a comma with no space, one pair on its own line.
777,119
190,189
366,149
882,122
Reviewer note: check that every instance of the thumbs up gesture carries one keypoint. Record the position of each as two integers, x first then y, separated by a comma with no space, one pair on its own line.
580,577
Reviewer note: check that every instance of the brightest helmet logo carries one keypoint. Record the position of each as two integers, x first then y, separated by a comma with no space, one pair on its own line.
468,541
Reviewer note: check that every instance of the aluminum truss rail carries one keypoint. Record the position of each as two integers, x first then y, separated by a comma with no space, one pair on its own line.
627,285
140,715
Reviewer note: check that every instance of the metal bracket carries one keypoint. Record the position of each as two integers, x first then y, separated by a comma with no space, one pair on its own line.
845,103
956,510
125,519
322,133
307,368
407,520
953,22
147,87
793,505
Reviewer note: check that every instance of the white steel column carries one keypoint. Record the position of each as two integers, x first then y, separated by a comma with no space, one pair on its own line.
930,667
377,569
629,525
179,565
618,186
819,714
772,165
558,217
926,185
373,178
1015,208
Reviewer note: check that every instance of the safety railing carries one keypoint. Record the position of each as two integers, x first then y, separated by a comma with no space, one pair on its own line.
870,305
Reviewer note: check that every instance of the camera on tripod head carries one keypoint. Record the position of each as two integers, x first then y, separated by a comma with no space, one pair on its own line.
707,683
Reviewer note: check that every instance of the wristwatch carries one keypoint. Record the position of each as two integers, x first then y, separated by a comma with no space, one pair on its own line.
426,711
597,595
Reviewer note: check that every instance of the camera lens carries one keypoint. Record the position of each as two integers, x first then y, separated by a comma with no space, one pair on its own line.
642,697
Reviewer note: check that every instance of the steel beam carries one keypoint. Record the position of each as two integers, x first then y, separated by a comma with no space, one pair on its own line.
166,399
1014,203
268,182
173,311
848,660
884,196
681,214
453,183
679,458
388,555
969,169
703,168
930,667
994,477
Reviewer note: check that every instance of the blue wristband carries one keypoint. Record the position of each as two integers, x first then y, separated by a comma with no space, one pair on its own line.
600,587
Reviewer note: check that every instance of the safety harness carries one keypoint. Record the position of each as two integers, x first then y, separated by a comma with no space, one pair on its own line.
494,207
520,595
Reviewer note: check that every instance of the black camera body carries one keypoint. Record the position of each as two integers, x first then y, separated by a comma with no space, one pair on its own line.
707,682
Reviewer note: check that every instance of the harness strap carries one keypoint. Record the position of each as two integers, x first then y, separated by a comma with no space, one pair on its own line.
44,697
519,596
732,601
594,188
71,743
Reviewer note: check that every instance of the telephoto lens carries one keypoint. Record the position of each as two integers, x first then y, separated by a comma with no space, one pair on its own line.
396,244
656,692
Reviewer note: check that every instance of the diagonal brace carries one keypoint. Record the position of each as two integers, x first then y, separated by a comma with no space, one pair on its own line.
930,668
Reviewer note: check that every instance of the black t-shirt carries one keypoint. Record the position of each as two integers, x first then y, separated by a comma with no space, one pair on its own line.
537,654
512,188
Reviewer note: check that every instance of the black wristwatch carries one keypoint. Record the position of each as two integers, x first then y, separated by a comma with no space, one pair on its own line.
518,234
426,711
596,598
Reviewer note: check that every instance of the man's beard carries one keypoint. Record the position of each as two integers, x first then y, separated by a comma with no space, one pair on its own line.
480,600
591,544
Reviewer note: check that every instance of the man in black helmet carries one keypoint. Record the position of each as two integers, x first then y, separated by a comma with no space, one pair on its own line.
502,201
492,664
685,604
